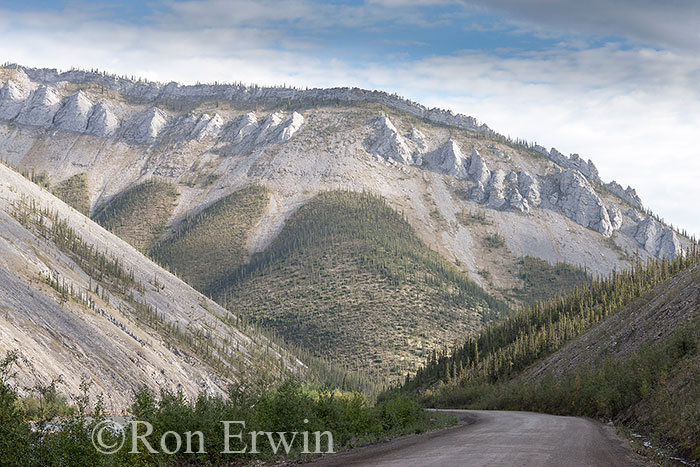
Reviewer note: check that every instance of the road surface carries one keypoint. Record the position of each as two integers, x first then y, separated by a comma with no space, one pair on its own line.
498,438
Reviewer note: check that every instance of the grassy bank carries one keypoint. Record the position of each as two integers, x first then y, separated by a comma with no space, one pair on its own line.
53,435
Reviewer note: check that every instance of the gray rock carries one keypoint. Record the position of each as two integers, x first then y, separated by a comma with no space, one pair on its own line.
74,113
579,202
517,202
449,159
478,193
629,194
102,121
417,137
388,143
574,162
40,108
529,188
145,127
497,190
477,168
657,239
615,217
11,100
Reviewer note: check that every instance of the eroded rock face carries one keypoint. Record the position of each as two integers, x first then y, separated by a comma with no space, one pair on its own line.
579,202
388,143
291,127
477,168
615,217
11,100
628,194
74,113
246,127
102,121
497,190
417,137
529,188
449,159
146,127
40,108
207,126
657,239
574,162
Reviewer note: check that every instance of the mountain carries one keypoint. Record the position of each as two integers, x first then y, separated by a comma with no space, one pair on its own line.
79,303
205,178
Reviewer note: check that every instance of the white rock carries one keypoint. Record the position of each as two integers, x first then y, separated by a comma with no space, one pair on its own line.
388,143
40,108
477,168
11,100
207,126
145,127
517,202
497,190
74,113
102,121
615,217
291,127
449,159
246,127
529,188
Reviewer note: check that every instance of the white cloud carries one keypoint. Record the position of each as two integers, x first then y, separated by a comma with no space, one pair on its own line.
662,23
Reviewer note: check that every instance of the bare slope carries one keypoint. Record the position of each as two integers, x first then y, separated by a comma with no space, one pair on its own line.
79,302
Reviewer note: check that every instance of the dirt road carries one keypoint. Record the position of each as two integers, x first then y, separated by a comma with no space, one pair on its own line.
495,438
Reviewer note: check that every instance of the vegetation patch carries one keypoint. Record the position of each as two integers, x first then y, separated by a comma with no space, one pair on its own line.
139,215
50,437
494,240
467,218
542,280
349,279
208,246
74,192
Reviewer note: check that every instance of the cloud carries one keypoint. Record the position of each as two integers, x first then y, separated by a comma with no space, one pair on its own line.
672,24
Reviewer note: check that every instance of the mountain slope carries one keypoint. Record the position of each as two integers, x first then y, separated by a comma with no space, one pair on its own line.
348,278
207,246
139,214
78,302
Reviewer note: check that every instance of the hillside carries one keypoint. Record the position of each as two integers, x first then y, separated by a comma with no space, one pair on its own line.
207,246
78,302
348,278
625,348
139,214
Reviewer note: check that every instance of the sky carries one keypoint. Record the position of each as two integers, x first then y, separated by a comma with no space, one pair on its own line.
617,82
